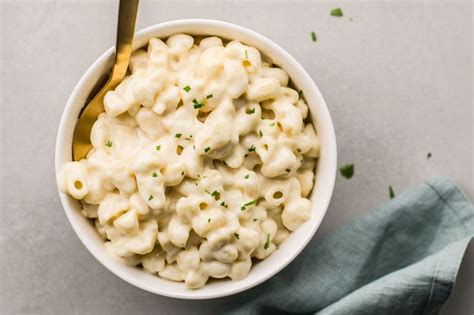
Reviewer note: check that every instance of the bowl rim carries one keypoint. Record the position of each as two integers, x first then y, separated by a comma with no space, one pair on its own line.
330,150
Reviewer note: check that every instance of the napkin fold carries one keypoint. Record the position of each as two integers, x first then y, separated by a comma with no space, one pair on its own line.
402,258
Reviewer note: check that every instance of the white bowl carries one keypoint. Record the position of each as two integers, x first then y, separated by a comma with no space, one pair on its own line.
321,194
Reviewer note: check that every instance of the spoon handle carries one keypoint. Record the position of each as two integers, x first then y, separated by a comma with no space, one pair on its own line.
125,31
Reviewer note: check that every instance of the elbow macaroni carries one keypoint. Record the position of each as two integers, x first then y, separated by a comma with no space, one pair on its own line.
201,161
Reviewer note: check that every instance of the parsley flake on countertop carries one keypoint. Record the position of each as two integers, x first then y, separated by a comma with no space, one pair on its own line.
150,198
428,156
207,149
109,144
223,204
154,174
313,36
209,96
337,12
158,147
247,176
390,192
347,170
267,243
178,135
187,88
252,148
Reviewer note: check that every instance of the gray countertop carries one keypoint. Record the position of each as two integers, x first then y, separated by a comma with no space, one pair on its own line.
397,77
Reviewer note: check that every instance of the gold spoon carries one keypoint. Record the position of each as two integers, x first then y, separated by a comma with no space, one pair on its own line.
81,143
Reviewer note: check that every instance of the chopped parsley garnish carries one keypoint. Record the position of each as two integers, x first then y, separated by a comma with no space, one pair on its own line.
255,220
313,36
252,148
182,173
223,204
300,94
216,194
187,138
250,111
428,155
267,243
260,133
207,149
298,150
196,104
246,155
391,193
237,236
208,220
246,54
253,202
154,174
178,135
287,170
336,12
150,198
272,124
187,88
194,147
209,96
158,147
247,176
347,170
109,144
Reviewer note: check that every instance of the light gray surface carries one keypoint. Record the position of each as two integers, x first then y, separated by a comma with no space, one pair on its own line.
397,80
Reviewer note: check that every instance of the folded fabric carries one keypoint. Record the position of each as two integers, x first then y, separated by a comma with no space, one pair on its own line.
402,258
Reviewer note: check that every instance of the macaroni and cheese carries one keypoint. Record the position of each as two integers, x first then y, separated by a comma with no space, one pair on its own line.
203,159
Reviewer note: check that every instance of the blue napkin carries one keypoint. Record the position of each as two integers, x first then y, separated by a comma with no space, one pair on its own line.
402,258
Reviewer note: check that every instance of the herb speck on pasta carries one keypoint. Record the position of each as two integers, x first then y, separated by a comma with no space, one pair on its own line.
267,243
